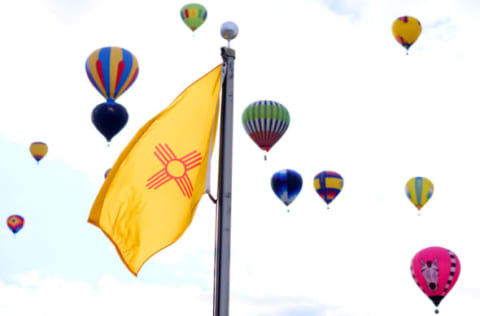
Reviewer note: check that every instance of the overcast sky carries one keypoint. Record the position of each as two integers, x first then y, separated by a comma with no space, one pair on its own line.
358,106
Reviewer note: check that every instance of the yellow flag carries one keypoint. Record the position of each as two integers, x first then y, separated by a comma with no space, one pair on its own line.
150,195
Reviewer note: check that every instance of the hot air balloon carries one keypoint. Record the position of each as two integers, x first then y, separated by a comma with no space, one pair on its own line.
106,173
287,185
435,270
419,190
15,223
265,122
38,150
109,119
193,15
111,70
406,30
328,185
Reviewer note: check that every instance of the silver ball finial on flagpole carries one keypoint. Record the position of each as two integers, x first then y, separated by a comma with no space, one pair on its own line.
229,31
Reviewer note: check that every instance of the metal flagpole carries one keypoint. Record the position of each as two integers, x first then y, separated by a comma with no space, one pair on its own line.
221,291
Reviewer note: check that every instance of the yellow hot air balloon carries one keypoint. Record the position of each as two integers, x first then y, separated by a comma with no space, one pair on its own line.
419,190
406,30
38,150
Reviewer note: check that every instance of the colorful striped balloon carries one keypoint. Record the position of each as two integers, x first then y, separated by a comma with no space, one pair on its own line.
419,190
435,270
38,150
112,70
265,122
406,30
193,15
328,185
15,223
287,185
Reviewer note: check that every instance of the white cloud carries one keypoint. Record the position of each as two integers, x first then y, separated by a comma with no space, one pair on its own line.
52,297
69,12
56,297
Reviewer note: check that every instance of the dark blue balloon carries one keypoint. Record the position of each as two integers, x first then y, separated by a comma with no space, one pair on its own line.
287,185
109,119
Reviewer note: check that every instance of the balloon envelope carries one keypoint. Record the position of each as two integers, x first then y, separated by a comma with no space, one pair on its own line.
265,122
15,223
435,270
328,185
193,15
38,150
406,30
109,119
419,190
287,185
111,70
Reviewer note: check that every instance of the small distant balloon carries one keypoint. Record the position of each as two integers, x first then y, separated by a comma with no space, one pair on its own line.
15,223
109,119
328,185
112,70
106,173
406,30
38,150
193,15
435,270
265,122
419,190
286,184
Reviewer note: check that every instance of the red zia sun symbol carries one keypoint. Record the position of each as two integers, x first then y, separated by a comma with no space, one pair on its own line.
174,168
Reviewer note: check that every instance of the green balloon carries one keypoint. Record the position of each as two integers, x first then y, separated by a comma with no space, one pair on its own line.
193,15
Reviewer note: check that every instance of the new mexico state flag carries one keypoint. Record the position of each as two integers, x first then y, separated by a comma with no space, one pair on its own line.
150,195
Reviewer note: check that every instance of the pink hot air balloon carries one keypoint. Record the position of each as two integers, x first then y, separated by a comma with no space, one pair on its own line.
435,269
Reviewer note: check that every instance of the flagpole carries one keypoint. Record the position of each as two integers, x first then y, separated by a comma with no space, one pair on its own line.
221,290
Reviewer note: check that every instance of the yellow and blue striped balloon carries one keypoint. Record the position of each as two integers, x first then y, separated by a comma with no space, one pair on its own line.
111,70
419,190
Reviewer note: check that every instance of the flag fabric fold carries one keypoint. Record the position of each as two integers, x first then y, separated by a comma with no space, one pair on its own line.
150,195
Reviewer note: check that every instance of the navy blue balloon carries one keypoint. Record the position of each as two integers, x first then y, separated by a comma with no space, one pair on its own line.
287,185
109,119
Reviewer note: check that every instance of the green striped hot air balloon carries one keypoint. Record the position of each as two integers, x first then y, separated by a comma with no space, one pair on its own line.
265,122
193,15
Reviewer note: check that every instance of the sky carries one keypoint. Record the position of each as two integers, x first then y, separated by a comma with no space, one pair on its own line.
358,106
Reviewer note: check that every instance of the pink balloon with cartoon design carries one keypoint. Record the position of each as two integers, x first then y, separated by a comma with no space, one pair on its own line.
436,270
